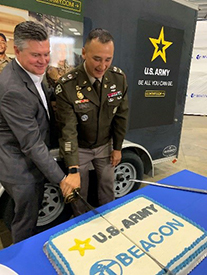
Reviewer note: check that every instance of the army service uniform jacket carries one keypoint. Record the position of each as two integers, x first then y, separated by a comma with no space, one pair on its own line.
83,119
4,62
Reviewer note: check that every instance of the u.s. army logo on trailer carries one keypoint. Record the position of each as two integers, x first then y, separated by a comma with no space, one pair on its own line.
160,46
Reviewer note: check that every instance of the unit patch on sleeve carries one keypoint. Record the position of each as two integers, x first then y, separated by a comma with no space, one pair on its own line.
58,89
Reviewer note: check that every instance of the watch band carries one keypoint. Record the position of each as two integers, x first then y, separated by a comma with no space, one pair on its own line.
73,170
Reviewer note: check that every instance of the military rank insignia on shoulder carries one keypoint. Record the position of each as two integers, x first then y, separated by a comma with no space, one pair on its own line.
70,76
67,77
117,70
63,79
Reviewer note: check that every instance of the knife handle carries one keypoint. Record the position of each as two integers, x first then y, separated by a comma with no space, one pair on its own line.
72,196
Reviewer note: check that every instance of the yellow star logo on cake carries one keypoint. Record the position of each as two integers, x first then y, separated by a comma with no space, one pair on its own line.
160,46
81,246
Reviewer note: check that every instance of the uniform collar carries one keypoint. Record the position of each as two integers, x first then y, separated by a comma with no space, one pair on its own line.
91,78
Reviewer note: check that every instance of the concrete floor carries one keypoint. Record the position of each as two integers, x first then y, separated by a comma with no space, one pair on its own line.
192,156
192,152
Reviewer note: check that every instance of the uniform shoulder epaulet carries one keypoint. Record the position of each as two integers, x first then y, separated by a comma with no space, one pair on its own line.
67,77
116,70
63,79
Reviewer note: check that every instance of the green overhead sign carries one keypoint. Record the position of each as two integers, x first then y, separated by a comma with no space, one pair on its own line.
70,9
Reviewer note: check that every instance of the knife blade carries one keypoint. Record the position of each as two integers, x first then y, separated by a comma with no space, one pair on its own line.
76,195
183,188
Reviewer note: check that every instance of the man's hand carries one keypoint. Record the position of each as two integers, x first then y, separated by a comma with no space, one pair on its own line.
115,157
68,184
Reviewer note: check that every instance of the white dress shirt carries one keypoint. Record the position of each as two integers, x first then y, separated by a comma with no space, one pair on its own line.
37,79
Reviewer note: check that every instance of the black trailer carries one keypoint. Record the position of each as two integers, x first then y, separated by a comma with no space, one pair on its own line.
153,46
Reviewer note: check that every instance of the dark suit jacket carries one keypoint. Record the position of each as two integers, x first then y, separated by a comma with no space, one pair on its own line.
24,131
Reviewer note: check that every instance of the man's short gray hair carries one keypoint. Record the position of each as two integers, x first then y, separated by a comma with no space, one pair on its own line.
29,30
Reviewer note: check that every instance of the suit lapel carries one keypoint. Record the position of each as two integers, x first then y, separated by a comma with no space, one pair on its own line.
48,99
29,83
26,79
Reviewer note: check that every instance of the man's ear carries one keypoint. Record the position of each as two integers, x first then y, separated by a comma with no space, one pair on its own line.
83,53
16,50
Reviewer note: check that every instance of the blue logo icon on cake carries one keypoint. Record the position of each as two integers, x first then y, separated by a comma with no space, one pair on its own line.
109,267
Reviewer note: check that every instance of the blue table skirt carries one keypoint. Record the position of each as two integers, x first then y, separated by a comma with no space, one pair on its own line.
28,258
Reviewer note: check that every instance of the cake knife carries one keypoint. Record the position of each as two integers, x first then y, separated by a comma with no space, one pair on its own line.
203,191
75,194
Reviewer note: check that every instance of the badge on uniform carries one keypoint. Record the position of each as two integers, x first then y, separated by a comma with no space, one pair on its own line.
78,88
58,89
81,101
82,104
84,117
113,95
110,99
115,110
80,95
63,79
68,146
113,88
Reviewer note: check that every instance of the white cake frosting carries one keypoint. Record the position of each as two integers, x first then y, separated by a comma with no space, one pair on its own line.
115,242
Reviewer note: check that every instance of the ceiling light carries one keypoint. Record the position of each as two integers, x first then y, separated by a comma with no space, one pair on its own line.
73,30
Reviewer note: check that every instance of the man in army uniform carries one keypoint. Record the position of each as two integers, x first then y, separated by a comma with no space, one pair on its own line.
4,59
93,121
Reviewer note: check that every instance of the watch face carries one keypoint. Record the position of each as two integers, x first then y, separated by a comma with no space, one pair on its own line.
73,170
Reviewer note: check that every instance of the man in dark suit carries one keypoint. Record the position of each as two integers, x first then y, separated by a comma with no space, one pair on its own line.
25,116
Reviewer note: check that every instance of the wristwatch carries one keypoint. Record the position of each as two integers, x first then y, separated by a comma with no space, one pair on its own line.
73,170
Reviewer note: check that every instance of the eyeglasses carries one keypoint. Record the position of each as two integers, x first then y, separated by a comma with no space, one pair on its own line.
2,43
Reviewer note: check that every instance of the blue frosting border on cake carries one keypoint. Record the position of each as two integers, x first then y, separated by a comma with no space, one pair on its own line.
173,261
57,264
192,257
188,260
